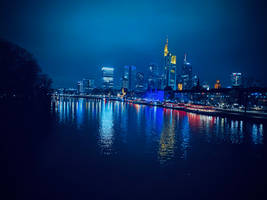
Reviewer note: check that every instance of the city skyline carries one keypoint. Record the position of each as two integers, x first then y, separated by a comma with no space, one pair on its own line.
170,74
73,40
138,99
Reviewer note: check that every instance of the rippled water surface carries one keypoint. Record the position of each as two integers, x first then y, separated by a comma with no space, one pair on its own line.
160,134
102,150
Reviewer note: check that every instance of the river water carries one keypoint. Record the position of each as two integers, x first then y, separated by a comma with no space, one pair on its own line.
92,149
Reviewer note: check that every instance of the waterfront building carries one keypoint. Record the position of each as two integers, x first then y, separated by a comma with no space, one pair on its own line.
91,84
88,85
140,82
107,77
161,82
61,91
236,79
80,87
217,85
154,79
195,81
180,86
154,95
124,82
70,91
205,86
125,77
128,79
186,75
169,68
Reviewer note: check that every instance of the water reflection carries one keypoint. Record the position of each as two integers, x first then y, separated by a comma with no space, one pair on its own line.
167,138
80,112
257,134
159,133
106,127
185,137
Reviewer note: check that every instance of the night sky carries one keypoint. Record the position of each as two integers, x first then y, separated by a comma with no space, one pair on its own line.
71,40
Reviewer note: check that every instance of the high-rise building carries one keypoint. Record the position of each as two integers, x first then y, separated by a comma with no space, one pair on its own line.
186,75
80,87
107,77
88,85
125,77
205,86
180,86
169,68
140,82
195,81
128,79
154,78
236,79
217,85
124,82
91,83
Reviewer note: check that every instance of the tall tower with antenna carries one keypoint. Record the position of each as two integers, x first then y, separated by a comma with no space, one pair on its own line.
169,68
186,74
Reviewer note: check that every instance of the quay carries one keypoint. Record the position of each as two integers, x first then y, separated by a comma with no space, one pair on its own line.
193,108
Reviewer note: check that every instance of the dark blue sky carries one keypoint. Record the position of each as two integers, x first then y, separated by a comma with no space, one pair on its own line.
72,39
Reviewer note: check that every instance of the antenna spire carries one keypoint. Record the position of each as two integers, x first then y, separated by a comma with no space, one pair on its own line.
166,51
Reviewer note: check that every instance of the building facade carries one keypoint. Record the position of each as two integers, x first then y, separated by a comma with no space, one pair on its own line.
80,87
154,80
169,68
186,75
107,77
140,82
217,85
236,79
88,85
195,81
129,77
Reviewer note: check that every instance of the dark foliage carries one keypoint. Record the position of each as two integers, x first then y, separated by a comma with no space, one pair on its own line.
20,74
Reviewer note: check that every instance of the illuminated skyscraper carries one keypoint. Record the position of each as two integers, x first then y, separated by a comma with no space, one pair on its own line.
236,79
217,85
154,78
125,82
125,77
88,85
169,68
107,77
195,81
186,75
91,84
128,79
180,86
80,87
140,82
